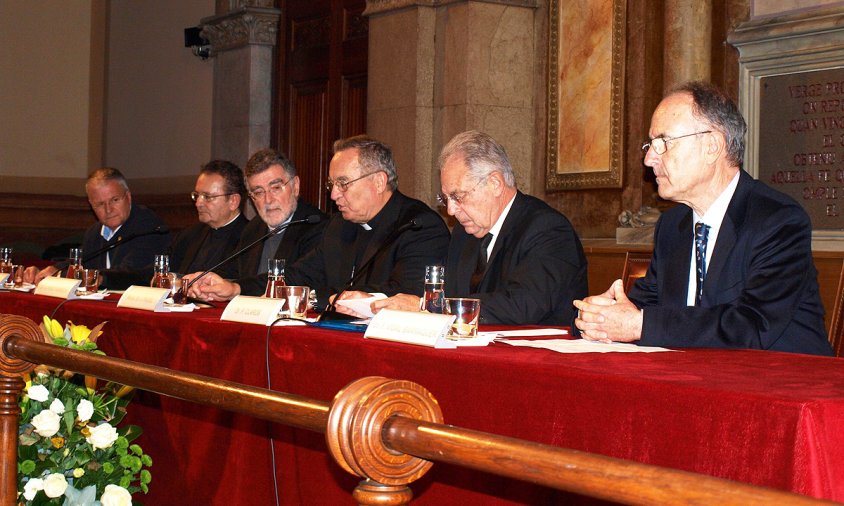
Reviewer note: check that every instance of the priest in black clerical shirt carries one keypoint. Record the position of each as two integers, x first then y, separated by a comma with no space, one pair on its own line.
217,196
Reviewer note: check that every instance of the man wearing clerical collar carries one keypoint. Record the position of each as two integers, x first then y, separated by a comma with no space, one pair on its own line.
732,264
217,195
368,246
512,251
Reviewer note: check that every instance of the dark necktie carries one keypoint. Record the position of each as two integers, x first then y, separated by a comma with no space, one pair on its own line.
701,233
480,267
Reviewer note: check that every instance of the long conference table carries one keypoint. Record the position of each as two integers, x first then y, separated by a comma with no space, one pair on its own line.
766,418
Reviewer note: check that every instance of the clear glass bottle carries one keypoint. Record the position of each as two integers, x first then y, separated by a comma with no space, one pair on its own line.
434,296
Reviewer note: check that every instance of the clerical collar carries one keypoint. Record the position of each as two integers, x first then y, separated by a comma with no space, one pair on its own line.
379,218
365,226
236,216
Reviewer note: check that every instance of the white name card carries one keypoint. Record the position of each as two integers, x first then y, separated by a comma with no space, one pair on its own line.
146,298
3,277
411,327
258,310
63,288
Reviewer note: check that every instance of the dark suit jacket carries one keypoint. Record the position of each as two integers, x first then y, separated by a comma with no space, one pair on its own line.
536,268
199,247
131,262
297,241
761,287
399,268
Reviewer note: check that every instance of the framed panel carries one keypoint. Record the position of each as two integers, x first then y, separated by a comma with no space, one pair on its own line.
586,57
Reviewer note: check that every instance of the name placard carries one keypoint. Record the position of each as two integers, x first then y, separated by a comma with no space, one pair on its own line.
257,310
411,327
145,298
3,277
63,288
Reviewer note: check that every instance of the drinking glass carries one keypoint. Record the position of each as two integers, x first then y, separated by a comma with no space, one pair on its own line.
467,313
434,296
90,280
296,301
74,262
15,279
5,259
275,277
160,276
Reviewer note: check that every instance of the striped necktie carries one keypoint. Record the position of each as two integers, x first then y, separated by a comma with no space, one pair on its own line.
701,234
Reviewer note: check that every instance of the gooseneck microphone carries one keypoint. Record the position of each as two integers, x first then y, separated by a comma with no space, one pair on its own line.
314,218
161,229
330,312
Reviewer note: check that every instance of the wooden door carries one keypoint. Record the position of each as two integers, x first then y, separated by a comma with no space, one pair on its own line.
321,93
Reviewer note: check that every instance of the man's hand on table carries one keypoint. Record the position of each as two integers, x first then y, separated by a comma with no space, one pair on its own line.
34,275
609,317
401,302
211,287
350,294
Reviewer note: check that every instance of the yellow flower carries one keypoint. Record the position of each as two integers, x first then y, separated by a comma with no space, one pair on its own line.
78,472
91,384
79,333
54,329
57,441
124,390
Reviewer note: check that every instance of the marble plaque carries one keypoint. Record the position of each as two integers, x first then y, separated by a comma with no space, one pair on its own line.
801,141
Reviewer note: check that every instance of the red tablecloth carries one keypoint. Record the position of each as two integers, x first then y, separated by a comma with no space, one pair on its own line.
765,418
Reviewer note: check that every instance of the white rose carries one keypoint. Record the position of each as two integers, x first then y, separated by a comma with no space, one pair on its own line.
32,487
38,393
46,423
57,407
114,495
55,485
102,436
85,410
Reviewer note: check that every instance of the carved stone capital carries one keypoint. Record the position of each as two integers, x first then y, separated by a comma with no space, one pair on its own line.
383,6
240,28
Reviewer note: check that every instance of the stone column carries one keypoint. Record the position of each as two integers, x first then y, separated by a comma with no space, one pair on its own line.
688,42
243,44
439,67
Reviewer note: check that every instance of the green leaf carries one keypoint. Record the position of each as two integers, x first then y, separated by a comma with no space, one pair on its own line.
27,466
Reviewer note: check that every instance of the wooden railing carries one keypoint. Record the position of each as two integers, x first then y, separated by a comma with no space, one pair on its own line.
385,431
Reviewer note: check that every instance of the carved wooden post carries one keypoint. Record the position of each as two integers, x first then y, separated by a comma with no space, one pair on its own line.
11,386
353,435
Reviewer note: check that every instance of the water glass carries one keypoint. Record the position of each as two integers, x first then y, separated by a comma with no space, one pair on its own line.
5,259
467,313
90,280
74,260
434,296
15,279
296,301
275,277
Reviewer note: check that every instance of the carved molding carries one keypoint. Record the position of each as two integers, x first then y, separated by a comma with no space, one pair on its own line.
383,6
244,27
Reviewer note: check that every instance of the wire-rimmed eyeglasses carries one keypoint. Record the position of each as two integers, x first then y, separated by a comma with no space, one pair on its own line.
343,184
660,144
274,188
457,197
207,197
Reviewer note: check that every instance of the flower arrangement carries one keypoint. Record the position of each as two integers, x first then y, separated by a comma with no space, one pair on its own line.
70,451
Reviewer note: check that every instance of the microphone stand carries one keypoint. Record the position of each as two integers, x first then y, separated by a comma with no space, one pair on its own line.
182,293
330,313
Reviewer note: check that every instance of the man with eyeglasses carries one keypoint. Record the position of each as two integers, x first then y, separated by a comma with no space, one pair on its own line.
732,265
512,251
217,196
138,232
273,187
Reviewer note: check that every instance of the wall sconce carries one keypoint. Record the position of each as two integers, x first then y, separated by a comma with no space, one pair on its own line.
200,46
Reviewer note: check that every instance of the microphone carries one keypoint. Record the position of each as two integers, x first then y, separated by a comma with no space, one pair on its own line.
161,229
314,218
330,313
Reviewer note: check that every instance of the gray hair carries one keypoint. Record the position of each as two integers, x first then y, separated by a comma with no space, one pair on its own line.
481,154
106,174
373,156
716,108
266,158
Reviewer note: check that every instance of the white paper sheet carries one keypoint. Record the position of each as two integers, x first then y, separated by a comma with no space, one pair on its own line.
524,333
581,346
361,305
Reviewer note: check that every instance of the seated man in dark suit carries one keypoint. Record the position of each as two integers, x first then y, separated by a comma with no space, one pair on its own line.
217,195
139,234
732,266
370,245
274,189
515,253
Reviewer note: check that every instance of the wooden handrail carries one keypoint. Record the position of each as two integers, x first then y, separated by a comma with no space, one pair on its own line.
387,431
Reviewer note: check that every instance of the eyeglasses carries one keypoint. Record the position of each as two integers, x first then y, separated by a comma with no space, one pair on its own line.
96,206
207,197
457,197
274,189
343,184
660,144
